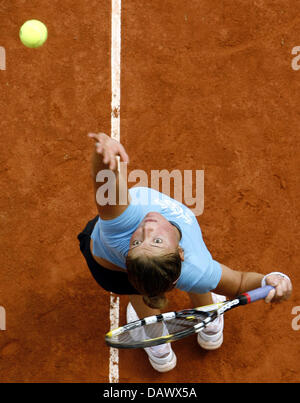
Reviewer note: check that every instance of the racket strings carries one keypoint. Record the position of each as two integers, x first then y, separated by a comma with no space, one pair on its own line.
158,330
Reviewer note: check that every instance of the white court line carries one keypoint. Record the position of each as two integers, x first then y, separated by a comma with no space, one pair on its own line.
115,68
114,352
2,58
115,133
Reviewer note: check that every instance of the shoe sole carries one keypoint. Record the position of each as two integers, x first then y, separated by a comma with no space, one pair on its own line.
208,345
164,367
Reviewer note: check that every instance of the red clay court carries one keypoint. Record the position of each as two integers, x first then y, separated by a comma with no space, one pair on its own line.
205,85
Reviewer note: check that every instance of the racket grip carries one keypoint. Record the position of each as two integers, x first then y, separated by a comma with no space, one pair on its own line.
257,294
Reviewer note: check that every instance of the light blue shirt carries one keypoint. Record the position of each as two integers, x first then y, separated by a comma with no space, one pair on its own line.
199,272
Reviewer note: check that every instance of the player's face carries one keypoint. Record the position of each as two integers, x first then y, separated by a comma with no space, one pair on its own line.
155,235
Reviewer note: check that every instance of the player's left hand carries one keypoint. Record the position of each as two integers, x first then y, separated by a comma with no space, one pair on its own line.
282,288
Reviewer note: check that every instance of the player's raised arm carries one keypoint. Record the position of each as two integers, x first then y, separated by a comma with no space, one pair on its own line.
105,158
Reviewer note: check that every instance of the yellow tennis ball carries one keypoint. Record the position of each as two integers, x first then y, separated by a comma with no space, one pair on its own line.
33,33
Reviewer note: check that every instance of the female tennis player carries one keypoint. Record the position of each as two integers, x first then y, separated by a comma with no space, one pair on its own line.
153,244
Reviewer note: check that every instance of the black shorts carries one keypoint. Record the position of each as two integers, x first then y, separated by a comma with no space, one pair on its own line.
111,280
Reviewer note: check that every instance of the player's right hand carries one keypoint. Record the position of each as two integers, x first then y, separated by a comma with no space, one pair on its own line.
109,148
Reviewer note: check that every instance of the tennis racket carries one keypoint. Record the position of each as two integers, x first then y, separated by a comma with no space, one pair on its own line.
171,326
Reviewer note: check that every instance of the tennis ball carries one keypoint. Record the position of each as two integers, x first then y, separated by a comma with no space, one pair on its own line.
33,33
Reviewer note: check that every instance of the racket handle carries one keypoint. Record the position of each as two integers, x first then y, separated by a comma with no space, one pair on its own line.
255,295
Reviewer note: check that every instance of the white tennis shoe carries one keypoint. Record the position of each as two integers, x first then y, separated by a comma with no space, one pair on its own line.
211,337
162,357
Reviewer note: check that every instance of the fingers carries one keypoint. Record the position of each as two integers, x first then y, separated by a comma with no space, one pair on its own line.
106,157
289,289
99,148
124,156
270,296
96,136
109,148
282,288
92,135
110,159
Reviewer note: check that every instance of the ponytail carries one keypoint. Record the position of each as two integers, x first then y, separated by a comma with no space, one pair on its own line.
157,302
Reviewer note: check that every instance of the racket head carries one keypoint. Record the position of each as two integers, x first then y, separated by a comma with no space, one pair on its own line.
160,329
171,326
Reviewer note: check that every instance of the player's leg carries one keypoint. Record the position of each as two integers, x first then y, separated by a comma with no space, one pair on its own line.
211,337
162,357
